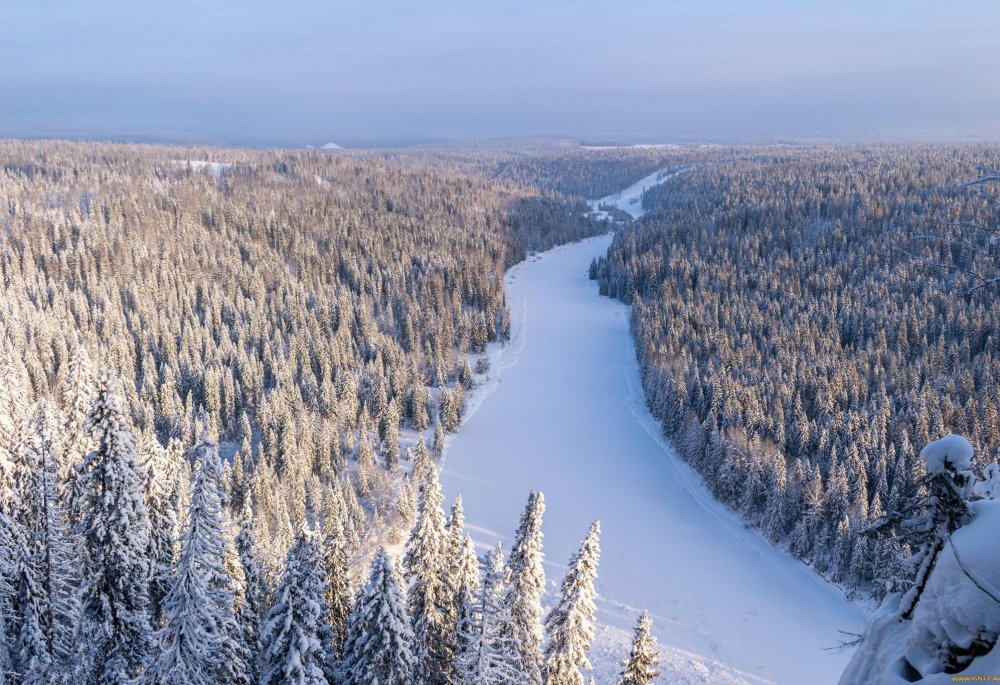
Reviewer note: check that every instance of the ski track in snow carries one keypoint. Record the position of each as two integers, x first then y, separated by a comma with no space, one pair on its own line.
562,411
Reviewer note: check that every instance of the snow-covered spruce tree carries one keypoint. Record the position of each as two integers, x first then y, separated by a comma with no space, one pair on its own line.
643,658
161,491
251,609
296,635
491,653
528,581
426,571
379,646
438,446
10,547
78,392
460,577
49,548
570,624
33,663
338,587
15,389
115,528
466,580
200,641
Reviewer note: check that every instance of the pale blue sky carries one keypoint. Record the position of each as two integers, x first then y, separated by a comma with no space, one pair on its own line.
308,71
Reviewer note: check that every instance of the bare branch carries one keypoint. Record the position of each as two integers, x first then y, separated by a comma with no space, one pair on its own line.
852,640
991,177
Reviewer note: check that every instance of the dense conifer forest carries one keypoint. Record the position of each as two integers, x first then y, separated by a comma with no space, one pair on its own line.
224,379
806,321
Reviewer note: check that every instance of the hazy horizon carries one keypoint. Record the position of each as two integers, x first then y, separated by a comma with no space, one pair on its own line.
386,72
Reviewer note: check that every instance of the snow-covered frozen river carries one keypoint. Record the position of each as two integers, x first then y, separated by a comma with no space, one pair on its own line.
563,413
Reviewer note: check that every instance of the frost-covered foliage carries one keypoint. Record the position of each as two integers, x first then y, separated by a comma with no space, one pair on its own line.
643,658
200,641
380,640
570,624
948,621
528,580
426,567
253,598
491,653
296,636
50,550
114,523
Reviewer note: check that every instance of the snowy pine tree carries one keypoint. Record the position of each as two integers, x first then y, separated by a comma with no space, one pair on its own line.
528,580
10,547
296,635
200,641
379,646
34,650
644,658
427,573
252,606
338,588
78,393
161,492
491,652
49,548
570,624
461,577
115,528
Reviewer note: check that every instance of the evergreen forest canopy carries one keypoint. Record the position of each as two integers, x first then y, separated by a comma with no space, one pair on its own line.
806,321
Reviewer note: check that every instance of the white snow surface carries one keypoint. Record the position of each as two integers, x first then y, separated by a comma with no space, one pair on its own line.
953,449
562,411
961,600
630,199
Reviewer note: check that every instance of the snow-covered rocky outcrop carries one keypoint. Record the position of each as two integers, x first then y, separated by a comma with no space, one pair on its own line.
953,628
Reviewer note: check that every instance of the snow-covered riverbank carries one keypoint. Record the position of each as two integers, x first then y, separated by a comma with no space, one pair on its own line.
563,412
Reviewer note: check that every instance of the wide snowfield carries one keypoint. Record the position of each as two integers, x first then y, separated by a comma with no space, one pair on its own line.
563,412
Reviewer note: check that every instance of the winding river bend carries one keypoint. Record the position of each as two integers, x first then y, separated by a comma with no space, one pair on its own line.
563,412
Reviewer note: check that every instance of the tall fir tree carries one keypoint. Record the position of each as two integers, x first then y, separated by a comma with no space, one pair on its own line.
296,635
570,624
49,548
427,574
115,529
644,658
338,588
251,609
10,547
379,647
491,653
460,578
528,581
34,664
78,393
200,641
161,492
